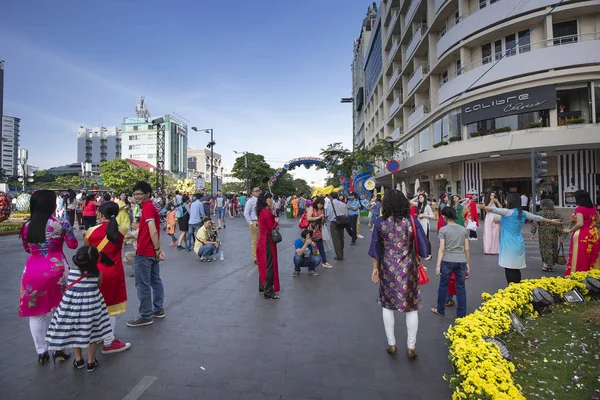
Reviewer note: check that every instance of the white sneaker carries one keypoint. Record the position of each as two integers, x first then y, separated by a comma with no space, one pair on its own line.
360,236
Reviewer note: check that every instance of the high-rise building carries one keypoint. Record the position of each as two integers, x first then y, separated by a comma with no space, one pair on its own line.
10,145
139,143
470,88
199,164
358,79
97,145
1,103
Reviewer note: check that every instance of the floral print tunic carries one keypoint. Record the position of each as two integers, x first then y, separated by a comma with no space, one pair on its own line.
585,242
44,280
393,244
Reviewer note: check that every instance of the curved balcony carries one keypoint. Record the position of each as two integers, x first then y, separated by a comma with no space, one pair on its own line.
418,114
414,41
417,76
479,19
412,9
538,56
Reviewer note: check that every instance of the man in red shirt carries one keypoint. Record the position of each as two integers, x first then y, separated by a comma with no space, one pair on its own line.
148,255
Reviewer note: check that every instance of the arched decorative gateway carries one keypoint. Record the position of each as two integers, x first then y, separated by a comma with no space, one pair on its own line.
360,182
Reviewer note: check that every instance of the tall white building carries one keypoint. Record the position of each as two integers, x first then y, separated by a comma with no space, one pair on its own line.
469,88
99,144
199,164
139,143
10,145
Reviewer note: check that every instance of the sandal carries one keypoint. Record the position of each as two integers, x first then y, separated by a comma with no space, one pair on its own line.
547,268
435,311
450,303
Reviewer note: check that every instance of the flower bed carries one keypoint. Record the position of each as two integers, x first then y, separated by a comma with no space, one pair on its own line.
480,370
10,227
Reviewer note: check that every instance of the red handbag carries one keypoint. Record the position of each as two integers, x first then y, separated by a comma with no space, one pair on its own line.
423,277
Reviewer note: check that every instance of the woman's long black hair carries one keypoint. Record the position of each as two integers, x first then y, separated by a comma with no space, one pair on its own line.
110,210
513,201
396,205
421,206
488,197
90,197
42,206
583,199
86,259
261,202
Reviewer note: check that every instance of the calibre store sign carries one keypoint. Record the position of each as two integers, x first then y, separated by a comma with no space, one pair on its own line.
510,103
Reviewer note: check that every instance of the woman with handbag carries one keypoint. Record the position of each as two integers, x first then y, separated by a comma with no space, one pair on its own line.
585,244
453,259
471,217
512,246
316,217
266,248
548,235
397,241
491,229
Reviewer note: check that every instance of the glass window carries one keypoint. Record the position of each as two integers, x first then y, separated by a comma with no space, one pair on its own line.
456,17
597,95
410,147
486,53
437,131
565,32
424,139
454,127
573,104
458,67
535,119
509,43
135,128
497,49
482,4
524,41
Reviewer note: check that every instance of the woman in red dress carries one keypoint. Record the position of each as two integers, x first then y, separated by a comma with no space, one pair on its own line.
266,249
585,243
107,239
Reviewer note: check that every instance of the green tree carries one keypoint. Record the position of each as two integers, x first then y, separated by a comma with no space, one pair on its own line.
259,171
234,187
302,187
345,161
73,182
120,176
43,176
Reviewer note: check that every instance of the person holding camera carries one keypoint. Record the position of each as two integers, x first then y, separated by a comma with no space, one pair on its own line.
305,255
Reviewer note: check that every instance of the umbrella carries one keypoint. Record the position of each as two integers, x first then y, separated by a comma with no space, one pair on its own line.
417,184
382,190
398,186
404,187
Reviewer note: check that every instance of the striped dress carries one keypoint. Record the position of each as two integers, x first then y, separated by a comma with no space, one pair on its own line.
81,317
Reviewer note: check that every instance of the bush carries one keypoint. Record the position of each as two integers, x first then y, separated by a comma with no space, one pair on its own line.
11,226
480,370
573,121
455,139
475,134
20,215
533,125
502,129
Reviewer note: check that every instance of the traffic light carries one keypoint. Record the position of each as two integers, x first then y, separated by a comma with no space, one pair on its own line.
540,169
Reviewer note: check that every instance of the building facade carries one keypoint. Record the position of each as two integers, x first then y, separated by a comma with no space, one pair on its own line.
1,106
199,164
11,127
469,88
358,79
139,143
97,145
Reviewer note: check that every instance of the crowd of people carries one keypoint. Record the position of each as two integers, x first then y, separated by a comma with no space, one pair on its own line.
76,304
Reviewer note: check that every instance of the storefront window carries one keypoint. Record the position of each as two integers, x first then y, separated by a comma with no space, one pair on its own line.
410,147
573,102
454,127
536,119
597,95
424,139
441,128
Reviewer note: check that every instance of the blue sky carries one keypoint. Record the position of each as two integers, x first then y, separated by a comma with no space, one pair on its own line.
267,75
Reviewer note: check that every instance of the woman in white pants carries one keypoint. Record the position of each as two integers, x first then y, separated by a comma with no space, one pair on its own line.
395,267
44,281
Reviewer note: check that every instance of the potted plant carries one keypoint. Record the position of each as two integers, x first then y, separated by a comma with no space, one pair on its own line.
575,121
455,139
501,129
475,134
533,125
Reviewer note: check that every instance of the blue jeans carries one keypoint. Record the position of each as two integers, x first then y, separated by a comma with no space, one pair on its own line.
191,236
460,272
207,250
310,262
321,248
220,213
149,285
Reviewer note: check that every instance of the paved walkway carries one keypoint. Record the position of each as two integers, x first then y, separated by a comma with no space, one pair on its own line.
220,340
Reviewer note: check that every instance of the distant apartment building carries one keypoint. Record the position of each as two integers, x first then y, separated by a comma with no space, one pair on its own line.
1,101
10,145
97,145
199,164
139,143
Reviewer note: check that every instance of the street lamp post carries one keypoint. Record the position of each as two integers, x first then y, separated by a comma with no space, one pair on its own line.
211,146
246,167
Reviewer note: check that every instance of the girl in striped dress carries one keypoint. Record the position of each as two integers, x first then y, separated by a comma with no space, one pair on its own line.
81,319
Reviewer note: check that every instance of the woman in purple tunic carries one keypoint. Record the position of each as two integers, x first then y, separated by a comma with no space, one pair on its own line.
395,267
